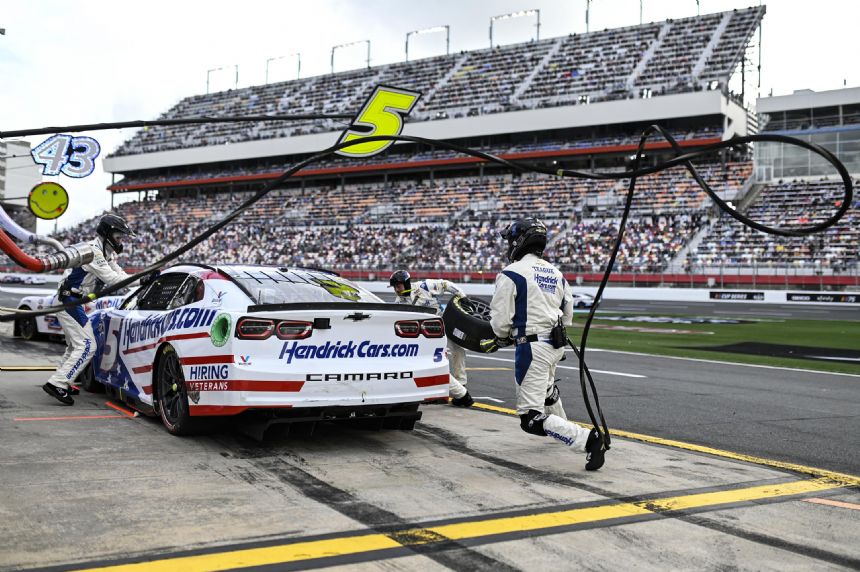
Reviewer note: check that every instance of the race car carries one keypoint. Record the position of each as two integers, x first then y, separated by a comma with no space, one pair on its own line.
269,344
582,300
32,328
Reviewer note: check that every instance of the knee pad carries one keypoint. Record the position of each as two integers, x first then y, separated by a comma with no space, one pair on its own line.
553,396
532,422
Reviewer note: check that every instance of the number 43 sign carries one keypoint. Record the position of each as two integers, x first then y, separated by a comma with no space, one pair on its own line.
72,156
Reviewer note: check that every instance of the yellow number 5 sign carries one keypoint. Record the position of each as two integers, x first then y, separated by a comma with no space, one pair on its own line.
381,115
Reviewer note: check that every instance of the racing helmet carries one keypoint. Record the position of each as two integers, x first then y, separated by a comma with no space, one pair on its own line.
525,235
112,228
401,277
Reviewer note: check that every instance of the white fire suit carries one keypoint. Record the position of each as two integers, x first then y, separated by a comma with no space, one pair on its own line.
80,282
426,293
530,296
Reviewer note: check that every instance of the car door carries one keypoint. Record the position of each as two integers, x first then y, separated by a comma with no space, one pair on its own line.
128,336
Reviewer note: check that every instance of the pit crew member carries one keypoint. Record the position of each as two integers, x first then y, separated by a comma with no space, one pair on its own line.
531,306
77,284
426,293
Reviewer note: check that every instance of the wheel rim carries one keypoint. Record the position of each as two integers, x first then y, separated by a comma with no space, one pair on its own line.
171,389
28,328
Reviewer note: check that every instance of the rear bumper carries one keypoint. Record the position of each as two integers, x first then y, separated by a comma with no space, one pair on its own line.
232,397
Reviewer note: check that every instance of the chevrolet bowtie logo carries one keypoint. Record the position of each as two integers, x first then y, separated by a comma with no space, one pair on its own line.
357,317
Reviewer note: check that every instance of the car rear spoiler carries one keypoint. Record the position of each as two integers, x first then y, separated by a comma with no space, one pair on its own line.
306,306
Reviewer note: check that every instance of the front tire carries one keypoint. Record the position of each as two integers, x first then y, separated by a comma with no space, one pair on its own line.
87,380
172,395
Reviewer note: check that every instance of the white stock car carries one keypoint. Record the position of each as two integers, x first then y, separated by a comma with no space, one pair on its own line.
273,345
32,328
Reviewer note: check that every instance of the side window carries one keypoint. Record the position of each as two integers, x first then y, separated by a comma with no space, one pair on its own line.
132,301
161,293
187,293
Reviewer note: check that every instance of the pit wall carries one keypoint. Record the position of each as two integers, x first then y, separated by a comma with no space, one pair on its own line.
850,299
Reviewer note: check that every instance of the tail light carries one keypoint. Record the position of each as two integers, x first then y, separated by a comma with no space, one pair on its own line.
407,328
293,330
433,328
254,328
263,328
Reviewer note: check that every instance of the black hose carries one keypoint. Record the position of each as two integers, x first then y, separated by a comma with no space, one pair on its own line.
684,159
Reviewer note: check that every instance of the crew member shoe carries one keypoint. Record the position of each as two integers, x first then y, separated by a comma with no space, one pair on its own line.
465,401
60,394
73,390
594,451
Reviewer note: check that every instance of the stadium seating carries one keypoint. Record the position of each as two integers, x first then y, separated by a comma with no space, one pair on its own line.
788,204
276,167
450,223
668,57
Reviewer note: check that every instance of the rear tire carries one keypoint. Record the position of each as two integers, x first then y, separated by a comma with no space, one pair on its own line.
26,327
172,404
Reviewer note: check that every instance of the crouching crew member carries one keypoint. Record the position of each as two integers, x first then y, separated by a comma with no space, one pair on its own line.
531,306
426,293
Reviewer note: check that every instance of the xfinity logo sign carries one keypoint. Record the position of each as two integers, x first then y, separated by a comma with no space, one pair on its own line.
358,376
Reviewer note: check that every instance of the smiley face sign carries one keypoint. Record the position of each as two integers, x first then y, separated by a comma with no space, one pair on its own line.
48,201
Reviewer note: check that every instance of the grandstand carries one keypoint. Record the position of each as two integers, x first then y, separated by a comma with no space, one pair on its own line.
577,101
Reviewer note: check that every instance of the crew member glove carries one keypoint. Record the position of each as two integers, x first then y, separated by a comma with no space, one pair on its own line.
491,345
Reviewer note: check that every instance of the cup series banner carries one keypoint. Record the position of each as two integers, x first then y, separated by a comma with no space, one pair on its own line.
719,295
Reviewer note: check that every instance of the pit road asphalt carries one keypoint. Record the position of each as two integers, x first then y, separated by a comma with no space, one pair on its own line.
132,493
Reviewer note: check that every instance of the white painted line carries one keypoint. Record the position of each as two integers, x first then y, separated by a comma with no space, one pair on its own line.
835,358
28,291
724,362
780,314
618,373
486,398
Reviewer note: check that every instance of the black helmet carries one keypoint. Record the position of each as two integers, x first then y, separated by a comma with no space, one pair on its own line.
525,235
401,277
111,227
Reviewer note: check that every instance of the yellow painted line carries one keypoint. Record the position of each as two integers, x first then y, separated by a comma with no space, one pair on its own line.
315,549
843,478
488,369
836,503
263,556
496,408
699,500
28,367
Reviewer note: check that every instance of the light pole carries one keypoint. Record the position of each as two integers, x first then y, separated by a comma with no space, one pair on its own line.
235,76
446,28
587,12
516,15
298,69
347,46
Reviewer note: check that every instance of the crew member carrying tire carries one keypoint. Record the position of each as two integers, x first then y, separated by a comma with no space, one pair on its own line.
531,306
78,284
426,293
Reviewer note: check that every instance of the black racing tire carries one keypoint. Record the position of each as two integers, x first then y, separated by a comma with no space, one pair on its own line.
87,380
26,327
172,404
467,322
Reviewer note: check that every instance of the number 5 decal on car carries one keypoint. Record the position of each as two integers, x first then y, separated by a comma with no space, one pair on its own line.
381,115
